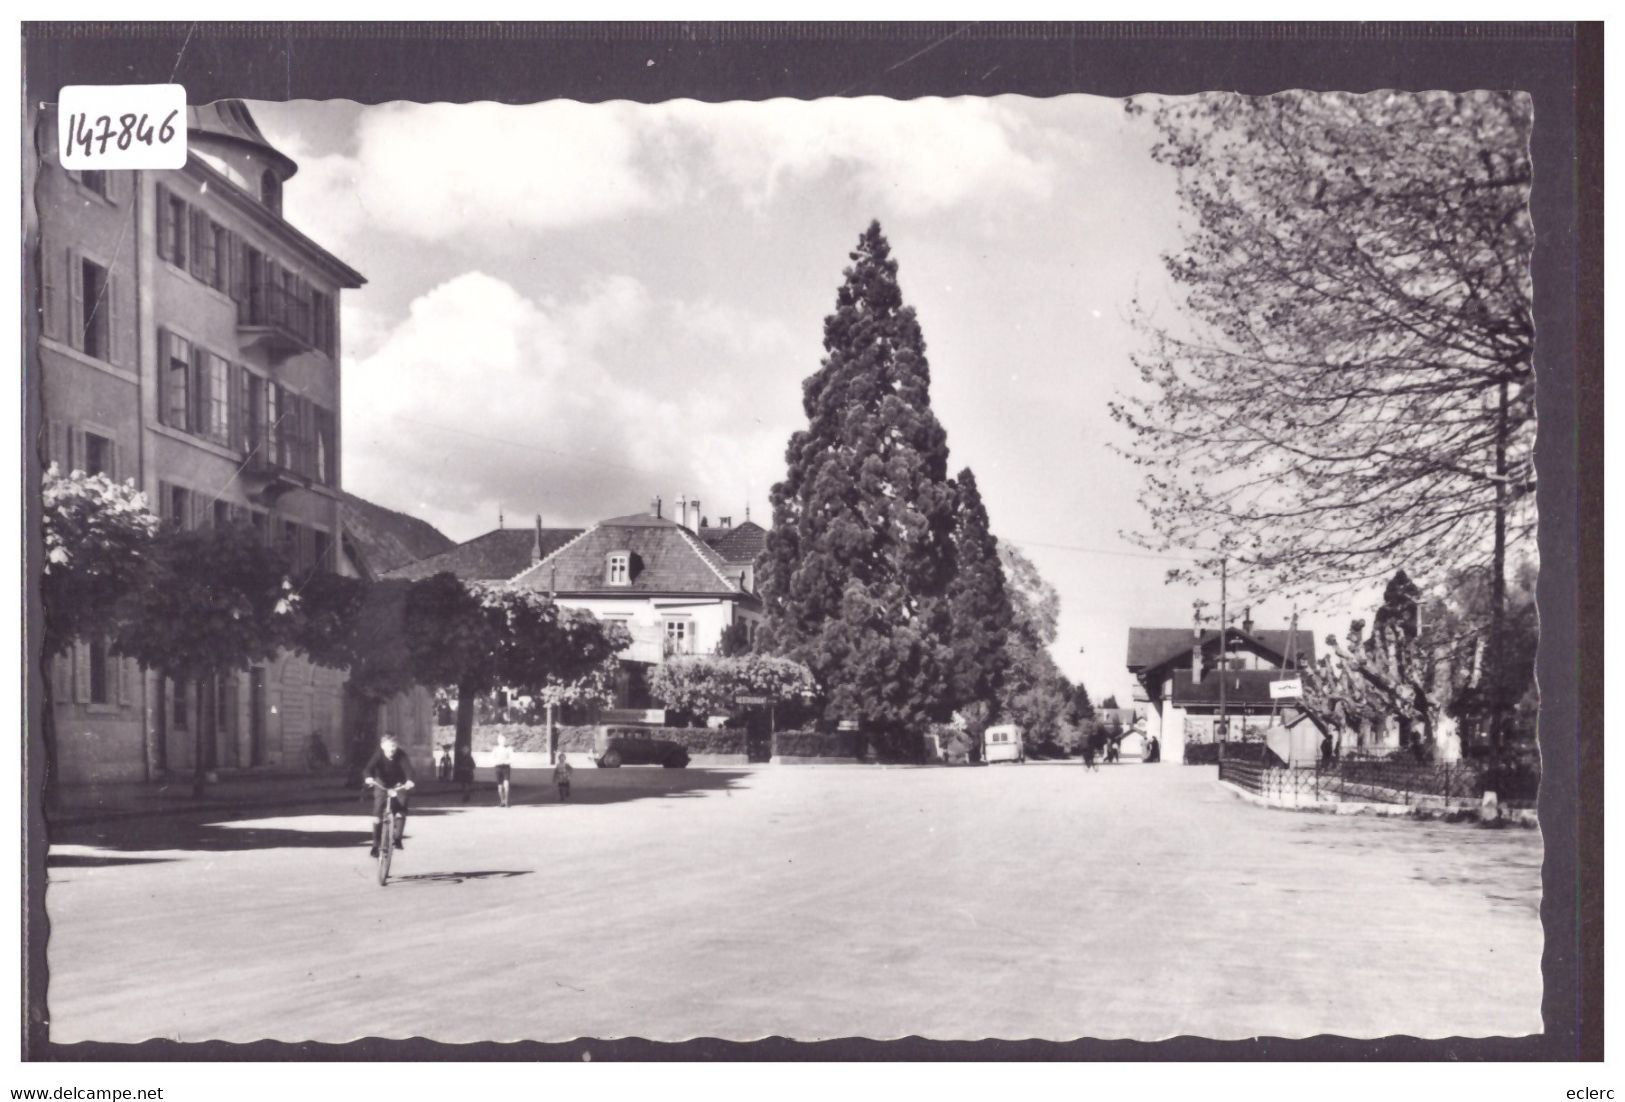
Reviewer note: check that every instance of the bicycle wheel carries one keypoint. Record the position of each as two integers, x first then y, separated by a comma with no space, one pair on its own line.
386,850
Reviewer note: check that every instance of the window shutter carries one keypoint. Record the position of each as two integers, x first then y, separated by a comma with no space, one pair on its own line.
54,307
197,392
198,224
76,449
113,187
239,278
61,678
164,517
201,509
163,376
76,300
56,445
121,464
118,344
81,673
166,226
234,419
126,691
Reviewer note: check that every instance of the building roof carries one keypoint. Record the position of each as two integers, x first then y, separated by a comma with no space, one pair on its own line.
666,558
388,538
740,544
494,557
230,119
1155,646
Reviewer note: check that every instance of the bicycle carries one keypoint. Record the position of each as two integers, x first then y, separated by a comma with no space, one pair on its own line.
394,820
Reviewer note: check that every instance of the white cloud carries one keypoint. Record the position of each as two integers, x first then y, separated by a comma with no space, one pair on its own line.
483,399
925,154
486,173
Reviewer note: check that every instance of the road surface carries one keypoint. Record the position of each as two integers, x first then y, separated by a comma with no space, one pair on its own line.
1012,901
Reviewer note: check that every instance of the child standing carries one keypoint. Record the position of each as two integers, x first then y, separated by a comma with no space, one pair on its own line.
502,758
561,777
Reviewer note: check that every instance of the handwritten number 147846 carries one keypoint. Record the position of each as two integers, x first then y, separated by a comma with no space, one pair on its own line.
94,135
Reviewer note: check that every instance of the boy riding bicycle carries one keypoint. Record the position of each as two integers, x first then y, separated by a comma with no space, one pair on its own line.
388,768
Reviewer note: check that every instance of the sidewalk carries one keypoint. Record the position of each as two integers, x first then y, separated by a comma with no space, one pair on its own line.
99,802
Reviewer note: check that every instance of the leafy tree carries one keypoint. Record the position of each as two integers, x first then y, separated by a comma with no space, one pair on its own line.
360,627
1034,694
1460,617
980,607
735,639
1079,709
97,542
1109,704
1403,670
705,685
860,555
215,601
475,640
451,644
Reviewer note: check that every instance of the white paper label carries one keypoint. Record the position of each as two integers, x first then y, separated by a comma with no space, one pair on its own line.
105,126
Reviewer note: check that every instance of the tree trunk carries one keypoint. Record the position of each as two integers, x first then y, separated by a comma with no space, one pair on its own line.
48,731
1498,584
466,693
199,741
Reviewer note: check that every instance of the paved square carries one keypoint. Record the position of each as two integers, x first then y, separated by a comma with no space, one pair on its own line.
810,902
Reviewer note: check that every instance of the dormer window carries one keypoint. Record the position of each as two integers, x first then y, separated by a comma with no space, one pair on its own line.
618,568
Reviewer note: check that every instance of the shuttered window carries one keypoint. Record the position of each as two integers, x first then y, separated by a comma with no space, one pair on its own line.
175,380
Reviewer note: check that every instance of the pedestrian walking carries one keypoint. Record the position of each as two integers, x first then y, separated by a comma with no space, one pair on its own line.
462,771
502,758
561,777
442,760
1088,753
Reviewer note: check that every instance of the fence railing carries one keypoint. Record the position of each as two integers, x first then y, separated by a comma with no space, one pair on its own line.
1373,781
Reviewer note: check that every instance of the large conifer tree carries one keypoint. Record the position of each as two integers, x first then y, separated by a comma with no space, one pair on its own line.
980,606
860,556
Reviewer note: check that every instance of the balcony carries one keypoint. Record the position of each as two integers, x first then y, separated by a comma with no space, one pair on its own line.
274,319
265,478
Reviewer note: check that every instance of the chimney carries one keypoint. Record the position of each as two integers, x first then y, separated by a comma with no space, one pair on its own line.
726,522
654,506
698,520
680,514
536,548
1247,619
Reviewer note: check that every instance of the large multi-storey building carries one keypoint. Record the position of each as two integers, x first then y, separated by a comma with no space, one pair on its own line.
190,341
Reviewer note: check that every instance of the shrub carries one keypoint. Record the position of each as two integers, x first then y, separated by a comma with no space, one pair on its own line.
816,744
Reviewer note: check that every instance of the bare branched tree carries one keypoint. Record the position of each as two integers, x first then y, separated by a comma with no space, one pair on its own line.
1348,386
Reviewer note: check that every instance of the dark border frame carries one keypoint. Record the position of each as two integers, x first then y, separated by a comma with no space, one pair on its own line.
1560,64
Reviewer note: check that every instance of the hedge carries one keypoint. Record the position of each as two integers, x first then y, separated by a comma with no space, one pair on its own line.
696,740
815,744
523,737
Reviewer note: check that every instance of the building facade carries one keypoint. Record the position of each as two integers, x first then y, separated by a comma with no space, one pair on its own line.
190,343
1178,672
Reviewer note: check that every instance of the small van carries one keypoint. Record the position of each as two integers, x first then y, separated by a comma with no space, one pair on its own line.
1003,743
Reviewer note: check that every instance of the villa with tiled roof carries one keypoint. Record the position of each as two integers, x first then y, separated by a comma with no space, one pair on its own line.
658,578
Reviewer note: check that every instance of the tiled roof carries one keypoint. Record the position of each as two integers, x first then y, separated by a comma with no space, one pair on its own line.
665,558
741,544
1154,646
493,557
390,539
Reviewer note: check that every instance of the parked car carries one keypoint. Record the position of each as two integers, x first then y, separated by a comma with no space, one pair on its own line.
1003,743
643,751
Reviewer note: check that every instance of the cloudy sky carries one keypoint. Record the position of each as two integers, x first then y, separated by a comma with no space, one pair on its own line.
571,308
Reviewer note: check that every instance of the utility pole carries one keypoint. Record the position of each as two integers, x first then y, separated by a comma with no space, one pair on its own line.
1224,651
